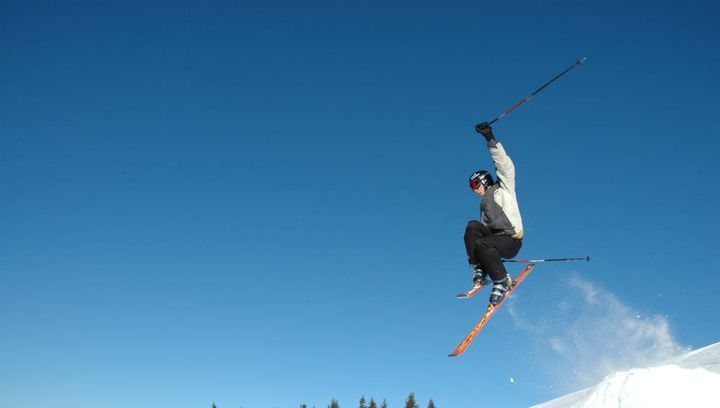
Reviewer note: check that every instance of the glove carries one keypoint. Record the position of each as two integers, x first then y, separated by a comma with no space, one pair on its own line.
485,130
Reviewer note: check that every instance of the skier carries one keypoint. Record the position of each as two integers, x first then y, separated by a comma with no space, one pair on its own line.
499,233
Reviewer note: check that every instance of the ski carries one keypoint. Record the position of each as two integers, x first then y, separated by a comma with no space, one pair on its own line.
470,293
489,314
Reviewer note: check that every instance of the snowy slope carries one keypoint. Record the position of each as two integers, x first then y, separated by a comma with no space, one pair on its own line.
691,380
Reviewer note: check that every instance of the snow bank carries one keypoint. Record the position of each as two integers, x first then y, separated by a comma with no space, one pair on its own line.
665,386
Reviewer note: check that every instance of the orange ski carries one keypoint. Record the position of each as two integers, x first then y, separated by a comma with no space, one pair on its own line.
470,293
490,312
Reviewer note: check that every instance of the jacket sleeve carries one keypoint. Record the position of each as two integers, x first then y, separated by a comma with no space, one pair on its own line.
504,166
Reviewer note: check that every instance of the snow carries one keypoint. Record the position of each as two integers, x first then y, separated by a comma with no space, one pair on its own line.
666,386
692,380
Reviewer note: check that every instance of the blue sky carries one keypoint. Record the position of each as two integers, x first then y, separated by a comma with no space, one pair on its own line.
262,203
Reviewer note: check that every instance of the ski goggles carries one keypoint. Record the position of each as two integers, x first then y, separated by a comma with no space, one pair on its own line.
475,184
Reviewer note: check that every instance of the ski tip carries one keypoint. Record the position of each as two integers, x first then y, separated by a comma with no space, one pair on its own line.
462,296
587,258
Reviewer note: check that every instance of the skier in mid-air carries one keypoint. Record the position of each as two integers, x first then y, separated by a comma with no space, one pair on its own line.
499,232
498,235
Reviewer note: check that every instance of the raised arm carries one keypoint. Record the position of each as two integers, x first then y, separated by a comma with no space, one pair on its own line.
504,166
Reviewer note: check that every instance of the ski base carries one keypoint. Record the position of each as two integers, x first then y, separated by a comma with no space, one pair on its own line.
470,293
491,309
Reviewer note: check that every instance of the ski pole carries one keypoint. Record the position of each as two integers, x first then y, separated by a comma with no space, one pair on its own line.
537,91
584,258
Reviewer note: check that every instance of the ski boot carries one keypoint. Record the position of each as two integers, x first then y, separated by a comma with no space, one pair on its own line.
500,289
479,276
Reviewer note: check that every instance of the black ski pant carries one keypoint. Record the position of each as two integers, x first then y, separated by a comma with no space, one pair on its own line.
488,250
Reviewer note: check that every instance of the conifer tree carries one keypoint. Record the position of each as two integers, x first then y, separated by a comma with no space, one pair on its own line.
410,402
384,404
431,404
372,403
334,404
362,402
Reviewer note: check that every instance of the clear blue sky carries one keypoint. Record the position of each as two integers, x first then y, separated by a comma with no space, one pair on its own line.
262,203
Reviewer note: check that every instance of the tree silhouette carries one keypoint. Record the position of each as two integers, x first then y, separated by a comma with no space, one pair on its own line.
410,402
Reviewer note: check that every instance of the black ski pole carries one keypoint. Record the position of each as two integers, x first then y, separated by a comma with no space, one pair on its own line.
537,91
584,258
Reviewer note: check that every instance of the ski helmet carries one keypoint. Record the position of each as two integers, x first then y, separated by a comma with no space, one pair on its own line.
480,177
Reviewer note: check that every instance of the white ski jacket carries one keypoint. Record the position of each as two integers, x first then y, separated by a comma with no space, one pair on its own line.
499,207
